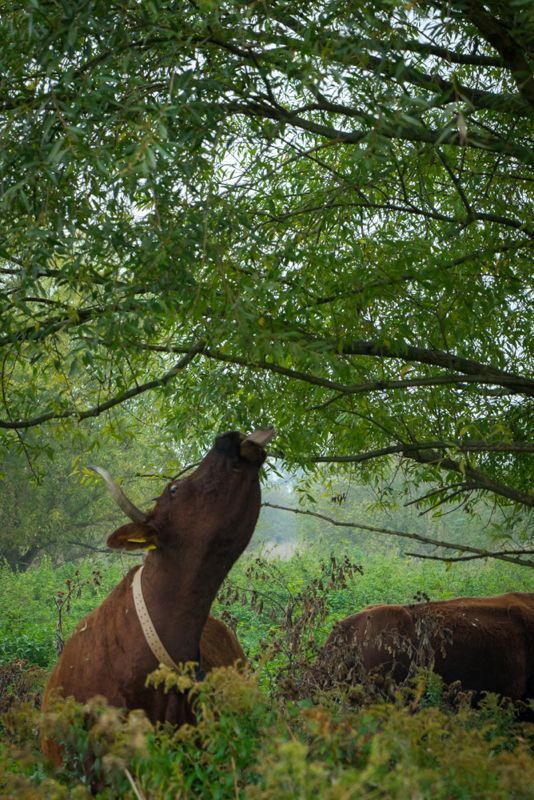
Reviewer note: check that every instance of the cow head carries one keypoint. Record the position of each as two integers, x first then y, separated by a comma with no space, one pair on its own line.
211,511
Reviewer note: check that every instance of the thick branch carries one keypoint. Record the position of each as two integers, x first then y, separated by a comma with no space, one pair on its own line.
436,358
401,130
498,34
465,446
483,374
462,548
477,479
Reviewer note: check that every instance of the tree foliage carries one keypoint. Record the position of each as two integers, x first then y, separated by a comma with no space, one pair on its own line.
315,215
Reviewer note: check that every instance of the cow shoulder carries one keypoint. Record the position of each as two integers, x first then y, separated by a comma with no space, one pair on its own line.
219,646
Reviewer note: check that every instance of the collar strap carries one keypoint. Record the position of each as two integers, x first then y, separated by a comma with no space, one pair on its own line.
151,635
147,626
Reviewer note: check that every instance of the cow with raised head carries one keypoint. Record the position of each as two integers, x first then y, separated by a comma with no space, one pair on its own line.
198,528
487,643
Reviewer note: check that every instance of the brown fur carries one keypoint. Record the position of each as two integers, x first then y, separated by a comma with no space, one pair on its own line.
488,642
199,526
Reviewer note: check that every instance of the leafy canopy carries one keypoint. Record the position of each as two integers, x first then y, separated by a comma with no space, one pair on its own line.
315,215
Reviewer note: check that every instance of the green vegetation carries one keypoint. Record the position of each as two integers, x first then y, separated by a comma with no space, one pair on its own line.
28,613
225,215
207,207
252,740
247,746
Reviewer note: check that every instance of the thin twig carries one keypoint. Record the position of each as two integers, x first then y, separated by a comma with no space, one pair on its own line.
185,469
405,535
437,491
451,559
136,790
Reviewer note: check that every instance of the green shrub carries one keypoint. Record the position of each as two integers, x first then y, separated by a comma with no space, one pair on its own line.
249,741
28,613
20,682
247,746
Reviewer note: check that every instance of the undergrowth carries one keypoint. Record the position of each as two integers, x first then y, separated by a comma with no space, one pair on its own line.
256,598
266,734
247,746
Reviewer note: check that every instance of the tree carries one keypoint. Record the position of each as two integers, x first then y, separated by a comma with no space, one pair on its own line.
51,502
311,214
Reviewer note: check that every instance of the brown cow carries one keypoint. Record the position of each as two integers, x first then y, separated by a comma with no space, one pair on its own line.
198,528
487,643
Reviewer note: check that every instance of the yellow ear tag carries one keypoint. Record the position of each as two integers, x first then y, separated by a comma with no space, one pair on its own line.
137,541
151,547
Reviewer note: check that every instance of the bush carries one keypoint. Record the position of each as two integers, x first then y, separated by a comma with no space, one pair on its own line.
253,739
20,682
246,746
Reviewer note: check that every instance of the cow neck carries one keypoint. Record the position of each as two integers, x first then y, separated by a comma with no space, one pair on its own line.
147,626
177,605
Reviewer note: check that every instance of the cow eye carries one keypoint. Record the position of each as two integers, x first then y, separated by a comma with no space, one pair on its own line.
173,489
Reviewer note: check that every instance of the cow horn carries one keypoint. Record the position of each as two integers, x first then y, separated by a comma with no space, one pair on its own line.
131,511
261,437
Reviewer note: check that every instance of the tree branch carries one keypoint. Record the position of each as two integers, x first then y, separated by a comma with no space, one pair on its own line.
477,479
107,550
495,554
95,411
465,446
482,481
437,358
478,373
451,56
481,374
355,53
440,490
420,277
498,34
471,216
403,73
41,330
404,535
401,130
44,328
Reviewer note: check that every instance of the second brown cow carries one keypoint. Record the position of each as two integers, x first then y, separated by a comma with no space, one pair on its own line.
487,643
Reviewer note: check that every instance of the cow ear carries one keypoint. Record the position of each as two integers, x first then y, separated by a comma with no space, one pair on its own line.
134,536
